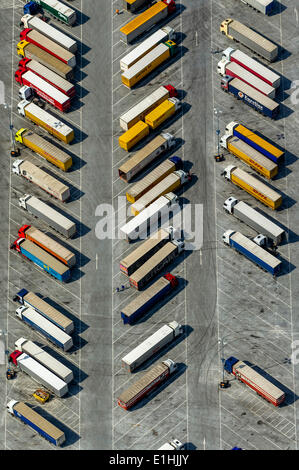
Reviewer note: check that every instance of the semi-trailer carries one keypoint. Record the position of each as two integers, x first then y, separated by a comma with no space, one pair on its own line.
147,20
26,49
47,45
51,77
252,65
33,22
252,251
253,186
255,141
43,89
148,298
39,373
131,137
232,69
255,380
148,63
175,444
42,259
154,343
46,120
263,6
170,183
58,10
254,219
39,424
145,156
45,359
248,37
47,243
42,179
153,178
36,321
249,155
149,218
162,112
133,5
29,299
154,377
156,263
44,148
147,249
250,96
146,46
49,215
144,107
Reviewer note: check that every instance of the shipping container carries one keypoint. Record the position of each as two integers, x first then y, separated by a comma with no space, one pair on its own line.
50,32
252,65
42,179
45,359
164,111
148,298
146,46
250,156
133,5
59,10
36,321
255,380
29,50
156,263
148,63
170,183
46,120
44,148
131,137
154,377
254,219
263,6
252,251
39,424
257,142
47,243
140,110
146,20
253,186
145,156
49,215
153,178
29,299
256,42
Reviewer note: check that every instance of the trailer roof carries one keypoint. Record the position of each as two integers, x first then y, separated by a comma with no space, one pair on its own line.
36,22
46,87
50,45
260,141
145,296
49,242
257,184
145,247
38,420
143,153
158,190
259,218
48,119
143,18
256,249
253,36
257,66
150,178
41,175
161,254
52,213
56,79
47,146
144,104
148,43
45,257
41,371
46,57
59,6
252,79
144,61
252,153
254,94
48,310
48,326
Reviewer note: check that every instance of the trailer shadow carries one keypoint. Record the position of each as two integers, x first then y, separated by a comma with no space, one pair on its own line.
82,229
181,369
282,52
284,111
291,397
277,9
81,92
189,446
164,351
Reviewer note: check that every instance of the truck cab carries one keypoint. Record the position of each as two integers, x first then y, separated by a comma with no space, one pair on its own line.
227,171
226,54
229,363
229,204
172,366
221,67
225,82
229,130
226,236
31,8
14,356
224,27
175,444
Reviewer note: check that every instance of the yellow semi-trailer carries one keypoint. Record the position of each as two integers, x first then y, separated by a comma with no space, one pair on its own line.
164,111
148,63
249,155
31,51
44,148
145,156
153,178
141,109
46,120
147,20
168,184
42,179
253,186
133,135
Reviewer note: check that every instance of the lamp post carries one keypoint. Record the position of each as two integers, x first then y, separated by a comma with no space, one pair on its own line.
13,152
223,383
217,113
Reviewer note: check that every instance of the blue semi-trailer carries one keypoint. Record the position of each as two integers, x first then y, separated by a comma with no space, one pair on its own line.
42,259
144,301
252,251
250,96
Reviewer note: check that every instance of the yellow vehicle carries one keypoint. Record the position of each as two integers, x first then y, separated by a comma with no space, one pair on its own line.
133,135
41,395
44,148
162,112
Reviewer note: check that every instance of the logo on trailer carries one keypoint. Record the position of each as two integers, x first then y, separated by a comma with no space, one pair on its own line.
240,94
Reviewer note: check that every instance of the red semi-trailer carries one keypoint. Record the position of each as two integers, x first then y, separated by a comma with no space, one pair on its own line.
38,39
43,89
